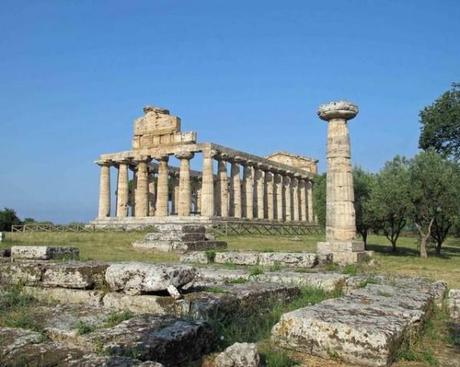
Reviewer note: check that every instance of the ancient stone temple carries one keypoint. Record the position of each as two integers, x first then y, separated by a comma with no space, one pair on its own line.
232,185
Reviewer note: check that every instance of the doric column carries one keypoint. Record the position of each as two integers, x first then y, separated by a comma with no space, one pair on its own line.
207,185
132,190
287,198
269,180
279,197
235,191
141,192
295,198
248,183
309,186
174,177
223,185
162,186
340,213
104,190
185,189
152,193
122,190
260,191
303,200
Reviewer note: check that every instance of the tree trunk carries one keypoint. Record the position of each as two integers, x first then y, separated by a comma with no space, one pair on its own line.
364,235
424,238
393,246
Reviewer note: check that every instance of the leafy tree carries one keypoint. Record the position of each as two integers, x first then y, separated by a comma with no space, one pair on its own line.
441,124
8,218
390,200
435,197
362,186
319,198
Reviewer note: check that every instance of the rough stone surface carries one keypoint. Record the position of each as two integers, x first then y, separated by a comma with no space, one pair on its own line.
366,327
239,355
21,347
210,275
299,260
157,305
21,273
237,258
180,246
453,304
64,295
137,278
84,275
44,252
167,340
326,281
195,257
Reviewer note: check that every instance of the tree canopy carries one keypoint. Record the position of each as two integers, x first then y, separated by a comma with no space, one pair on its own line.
440,122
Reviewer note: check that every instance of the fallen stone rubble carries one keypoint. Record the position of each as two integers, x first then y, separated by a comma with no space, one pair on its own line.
169,326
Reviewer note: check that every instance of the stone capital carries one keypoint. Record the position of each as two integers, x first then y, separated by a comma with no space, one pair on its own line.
105,162
162,157
185,155
342,110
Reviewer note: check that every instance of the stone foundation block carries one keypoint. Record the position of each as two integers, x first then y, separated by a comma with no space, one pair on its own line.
139,278
180,246
167,340
237,258
366,327
175,236
299,260
340,246
195,257
75,275
21,273
239,355
44,253
75,296
325,281
157,305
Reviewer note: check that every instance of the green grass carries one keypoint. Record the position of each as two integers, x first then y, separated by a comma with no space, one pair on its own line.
117,317
257,326
16,309
116,246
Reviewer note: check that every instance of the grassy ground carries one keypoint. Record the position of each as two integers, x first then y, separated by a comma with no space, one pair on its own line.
438,346
116,246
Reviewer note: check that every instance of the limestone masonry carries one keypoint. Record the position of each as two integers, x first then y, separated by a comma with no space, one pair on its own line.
231,185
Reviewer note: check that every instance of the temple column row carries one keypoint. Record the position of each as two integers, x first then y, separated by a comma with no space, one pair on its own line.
263,192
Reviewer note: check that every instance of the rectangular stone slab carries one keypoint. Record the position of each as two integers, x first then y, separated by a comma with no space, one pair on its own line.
28,273
365,328
81,275
44,253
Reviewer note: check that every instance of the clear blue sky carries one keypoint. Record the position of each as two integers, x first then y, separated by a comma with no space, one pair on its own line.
245,74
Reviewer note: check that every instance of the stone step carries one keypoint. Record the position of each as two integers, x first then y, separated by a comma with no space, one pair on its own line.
175,236
180,246
366,327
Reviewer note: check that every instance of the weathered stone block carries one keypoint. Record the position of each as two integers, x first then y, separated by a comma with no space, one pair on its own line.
21,273
210,275
175,236
65,295
157,338
44,253
239,355
93,360
21,347
157,305
75,275
366,327
195,257
326,281
299,260
137,278
237,258
184,228
179,246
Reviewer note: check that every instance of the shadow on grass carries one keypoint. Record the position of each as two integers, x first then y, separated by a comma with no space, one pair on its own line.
447,252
